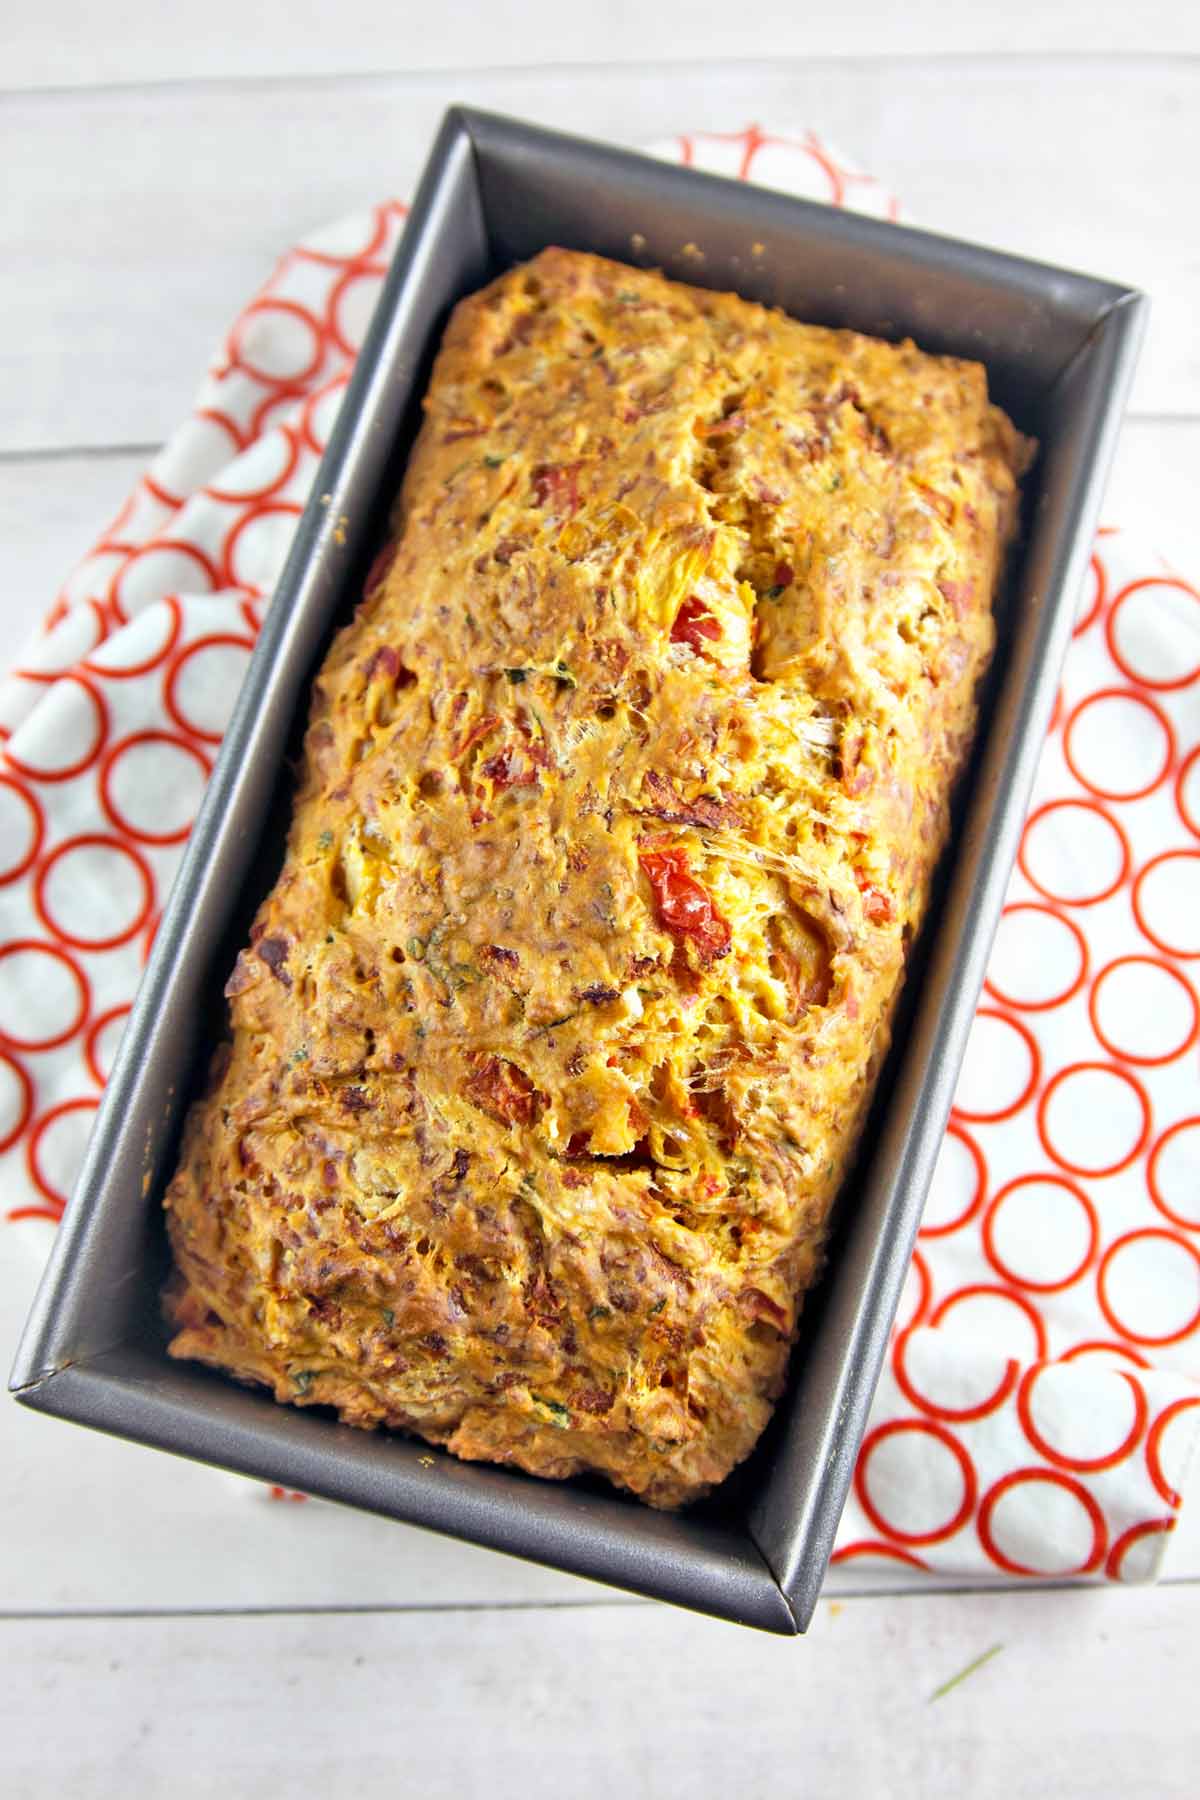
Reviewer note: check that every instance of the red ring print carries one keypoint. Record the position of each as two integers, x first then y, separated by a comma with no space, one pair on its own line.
288,508
38,817
1071,754
237,437
127,671
876,1547
1190,762
149,936
101,728
1082,1465
159,547
170,700
1011,1108
25,1109
247,496
1114,649
1118,1074
1025,1281
1068,993
292,310
162,494
1093,1347
1043,812
1019,1478
22,946
894,1428
973,1290
920,1268
1095,605
953,1415
115,816
1192,1123
362,271
1186,954
1154,1467
1127,1539
1102,1276
91,1043
94,840
311,408
328,260
1127,1055
954,1130
33,1148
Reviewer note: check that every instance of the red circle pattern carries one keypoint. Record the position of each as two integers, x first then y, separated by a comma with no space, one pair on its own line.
256,390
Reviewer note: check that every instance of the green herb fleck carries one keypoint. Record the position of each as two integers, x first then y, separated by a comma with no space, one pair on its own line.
493,462
416,948
300,1055
553,1024
657,1308
302,1380
963,1673
516,676
389,1317
774,592
325,841
835,481
562,1417
628,297
600,1312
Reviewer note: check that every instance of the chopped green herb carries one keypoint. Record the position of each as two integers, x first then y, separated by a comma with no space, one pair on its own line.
600,1312
416,948
325,841
302,1380
388,1316
835,481
300,1055
562,1417
774,592
493,462
657,1308
963,1673
627,297
553,1024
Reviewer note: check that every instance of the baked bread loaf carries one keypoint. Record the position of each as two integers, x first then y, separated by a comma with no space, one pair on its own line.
620,801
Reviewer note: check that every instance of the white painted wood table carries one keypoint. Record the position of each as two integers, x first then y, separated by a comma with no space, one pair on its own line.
166,1629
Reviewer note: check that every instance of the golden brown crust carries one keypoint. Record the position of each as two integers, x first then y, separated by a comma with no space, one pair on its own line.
621,797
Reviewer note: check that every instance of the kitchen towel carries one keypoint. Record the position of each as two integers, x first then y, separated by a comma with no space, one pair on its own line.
1042,1391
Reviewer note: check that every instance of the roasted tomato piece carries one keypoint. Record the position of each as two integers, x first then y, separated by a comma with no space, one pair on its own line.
876,904
504,1092
556,487
684,907
694,624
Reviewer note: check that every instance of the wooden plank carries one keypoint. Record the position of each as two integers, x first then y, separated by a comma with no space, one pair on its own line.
141,219
281,37
1081,1695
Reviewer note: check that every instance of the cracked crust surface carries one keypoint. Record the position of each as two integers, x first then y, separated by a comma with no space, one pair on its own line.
621,797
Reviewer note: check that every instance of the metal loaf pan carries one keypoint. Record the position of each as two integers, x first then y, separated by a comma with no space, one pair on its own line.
1059,350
